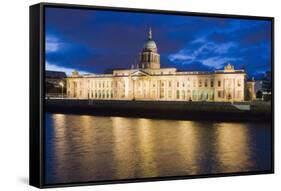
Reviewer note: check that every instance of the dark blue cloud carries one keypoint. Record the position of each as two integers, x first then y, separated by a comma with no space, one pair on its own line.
94,41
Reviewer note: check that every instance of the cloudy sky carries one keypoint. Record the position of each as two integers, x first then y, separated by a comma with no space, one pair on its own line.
94,41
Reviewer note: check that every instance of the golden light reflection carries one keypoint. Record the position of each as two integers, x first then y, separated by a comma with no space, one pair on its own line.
86,147
188,145
233,147
86,128
59,131
123,147
146,148
60,149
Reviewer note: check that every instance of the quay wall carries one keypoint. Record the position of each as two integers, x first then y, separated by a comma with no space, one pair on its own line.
217,111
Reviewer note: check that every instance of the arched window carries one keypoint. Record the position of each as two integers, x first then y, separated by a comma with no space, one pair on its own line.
178,94
183,94
194,95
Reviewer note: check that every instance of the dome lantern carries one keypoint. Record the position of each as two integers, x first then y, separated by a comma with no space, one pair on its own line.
149,34
149,57
150,44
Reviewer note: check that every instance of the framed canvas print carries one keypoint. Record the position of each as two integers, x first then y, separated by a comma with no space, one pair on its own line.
127,95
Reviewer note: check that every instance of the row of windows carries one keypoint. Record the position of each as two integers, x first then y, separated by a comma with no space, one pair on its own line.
149,57
222,94
181,94
106,84
96,94
201,83
228,82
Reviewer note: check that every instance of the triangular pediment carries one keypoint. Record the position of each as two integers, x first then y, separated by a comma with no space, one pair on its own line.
139,73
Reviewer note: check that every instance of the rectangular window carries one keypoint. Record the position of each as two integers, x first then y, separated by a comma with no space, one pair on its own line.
212,83
200,83
206,83
162,93
219,83
219,94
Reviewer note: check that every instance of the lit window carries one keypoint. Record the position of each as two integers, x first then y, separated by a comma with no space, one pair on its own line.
219,94
170,94
178,94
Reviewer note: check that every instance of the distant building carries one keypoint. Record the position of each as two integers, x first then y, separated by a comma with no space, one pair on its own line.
55,83
146,80
251,90
263,87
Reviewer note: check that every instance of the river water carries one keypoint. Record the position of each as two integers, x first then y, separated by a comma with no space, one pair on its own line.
81,148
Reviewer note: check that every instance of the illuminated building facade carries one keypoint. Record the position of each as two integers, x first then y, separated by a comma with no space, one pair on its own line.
146,80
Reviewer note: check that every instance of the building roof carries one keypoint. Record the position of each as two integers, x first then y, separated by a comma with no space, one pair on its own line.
55,74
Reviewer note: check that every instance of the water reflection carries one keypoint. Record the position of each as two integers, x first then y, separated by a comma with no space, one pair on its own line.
87,148
233,147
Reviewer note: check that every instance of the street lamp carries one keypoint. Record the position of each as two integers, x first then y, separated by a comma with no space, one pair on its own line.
62,85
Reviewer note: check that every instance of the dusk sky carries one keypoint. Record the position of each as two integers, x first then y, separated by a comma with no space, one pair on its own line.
92,41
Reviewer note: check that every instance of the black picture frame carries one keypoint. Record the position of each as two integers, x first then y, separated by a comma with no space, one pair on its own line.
36,98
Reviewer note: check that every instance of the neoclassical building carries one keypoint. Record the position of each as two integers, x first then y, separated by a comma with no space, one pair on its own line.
146,80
